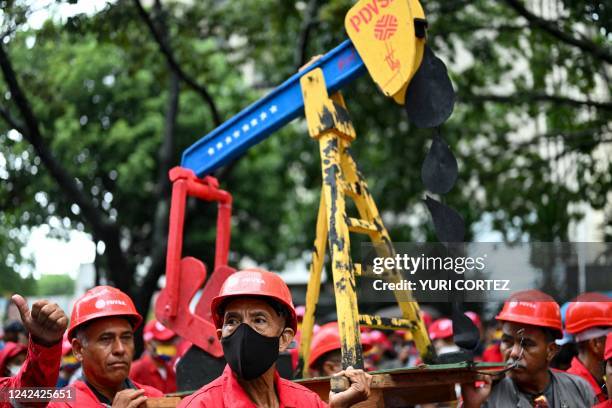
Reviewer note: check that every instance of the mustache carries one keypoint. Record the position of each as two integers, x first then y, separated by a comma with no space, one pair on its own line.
512,363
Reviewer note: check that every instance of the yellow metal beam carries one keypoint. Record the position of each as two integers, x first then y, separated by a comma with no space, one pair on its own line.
329,124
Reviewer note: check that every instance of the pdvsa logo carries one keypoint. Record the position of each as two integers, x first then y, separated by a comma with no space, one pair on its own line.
101,303
516,303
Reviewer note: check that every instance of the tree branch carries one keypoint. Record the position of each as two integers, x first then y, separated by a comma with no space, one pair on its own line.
554,30
31,131
163,187
566,136
571,149
101,225
533,97
12,122
307,25
174,65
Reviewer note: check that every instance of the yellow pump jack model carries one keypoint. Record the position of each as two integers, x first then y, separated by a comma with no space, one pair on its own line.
329,124
384,33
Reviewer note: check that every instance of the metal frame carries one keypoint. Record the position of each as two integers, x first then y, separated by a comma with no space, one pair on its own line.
329,123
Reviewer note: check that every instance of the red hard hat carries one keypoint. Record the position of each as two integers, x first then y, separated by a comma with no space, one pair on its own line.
379,338
608,352
102,301
254,282
532,307
328,339
588,310
299,312
474,318
9,351
66,345
441,329
154,330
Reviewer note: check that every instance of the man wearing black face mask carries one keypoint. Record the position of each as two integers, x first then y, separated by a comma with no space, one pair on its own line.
255,320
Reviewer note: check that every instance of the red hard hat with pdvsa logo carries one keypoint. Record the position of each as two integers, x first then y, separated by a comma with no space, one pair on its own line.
534,308
441,329
587,311
99,302
256,283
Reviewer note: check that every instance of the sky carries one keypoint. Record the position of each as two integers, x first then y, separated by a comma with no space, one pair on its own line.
54,256
46,8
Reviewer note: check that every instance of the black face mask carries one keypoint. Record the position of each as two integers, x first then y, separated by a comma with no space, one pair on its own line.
248,353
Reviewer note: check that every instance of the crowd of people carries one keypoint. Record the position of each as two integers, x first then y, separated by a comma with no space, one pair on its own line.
553,356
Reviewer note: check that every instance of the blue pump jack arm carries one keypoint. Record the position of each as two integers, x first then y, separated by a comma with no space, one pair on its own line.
259,120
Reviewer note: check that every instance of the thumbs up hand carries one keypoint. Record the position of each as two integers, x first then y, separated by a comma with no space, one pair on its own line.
46,322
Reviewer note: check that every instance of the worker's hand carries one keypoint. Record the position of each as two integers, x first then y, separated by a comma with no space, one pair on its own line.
358,391
129,398
474,395
46,322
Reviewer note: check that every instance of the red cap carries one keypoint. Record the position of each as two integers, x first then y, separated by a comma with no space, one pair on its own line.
102,301
328,339
608,352
10,350
154,330
441,329
254,282
587,311
532,307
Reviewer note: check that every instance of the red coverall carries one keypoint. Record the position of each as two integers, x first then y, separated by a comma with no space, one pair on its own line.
226,392
145,371
40,369
85,397
577,368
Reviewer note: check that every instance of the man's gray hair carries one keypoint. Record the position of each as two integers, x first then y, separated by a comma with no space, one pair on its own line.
81,336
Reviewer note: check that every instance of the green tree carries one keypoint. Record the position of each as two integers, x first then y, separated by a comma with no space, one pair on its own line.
50,285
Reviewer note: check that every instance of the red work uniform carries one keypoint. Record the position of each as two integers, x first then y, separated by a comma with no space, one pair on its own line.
40,369
577,368
492,354
85,397
226,392
145,371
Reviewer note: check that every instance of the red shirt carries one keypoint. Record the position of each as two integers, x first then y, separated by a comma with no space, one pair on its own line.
226,392
145,371
85,397
605,404
40,369
577,368
492,354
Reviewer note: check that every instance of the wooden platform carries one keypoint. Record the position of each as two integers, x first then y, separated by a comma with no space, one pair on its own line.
404,387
